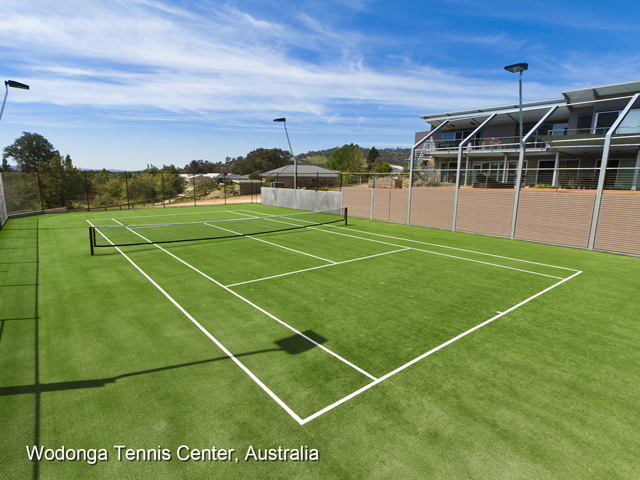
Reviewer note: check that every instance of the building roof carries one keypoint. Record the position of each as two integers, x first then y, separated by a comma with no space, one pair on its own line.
466,119
303,170
599,91
231,176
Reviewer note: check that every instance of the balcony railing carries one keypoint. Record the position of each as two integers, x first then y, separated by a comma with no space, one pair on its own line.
616,178
576,136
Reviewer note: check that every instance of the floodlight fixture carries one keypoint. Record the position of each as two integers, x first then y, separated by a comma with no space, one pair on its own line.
295,161
518,67
12,84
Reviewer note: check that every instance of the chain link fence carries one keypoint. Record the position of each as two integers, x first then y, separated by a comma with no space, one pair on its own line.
25,193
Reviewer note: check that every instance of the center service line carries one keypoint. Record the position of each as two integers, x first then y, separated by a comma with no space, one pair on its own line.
270,243
257,307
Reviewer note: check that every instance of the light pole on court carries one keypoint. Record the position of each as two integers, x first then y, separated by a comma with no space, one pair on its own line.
295,162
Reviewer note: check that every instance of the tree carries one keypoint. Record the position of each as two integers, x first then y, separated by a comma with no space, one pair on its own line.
261,160
372,157
356,160
29,151
339,158
383,167
60,183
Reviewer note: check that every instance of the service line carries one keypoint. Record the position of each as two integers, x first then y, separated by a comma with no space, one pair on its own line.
355,367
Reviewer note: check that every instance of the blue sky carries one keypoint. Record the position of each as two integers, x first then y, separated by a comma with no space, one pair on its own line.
123,84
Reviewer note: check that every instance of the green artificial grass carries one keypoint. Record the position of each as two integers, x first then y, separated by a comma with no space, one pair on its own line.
93,355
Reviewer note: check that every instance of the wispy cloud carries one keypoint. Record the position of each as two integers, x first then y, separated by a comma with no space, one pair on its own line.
338,67
148,54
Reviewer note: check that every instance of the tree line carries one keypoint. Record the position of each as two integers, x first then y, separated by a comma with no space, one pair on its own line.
47,180
51,178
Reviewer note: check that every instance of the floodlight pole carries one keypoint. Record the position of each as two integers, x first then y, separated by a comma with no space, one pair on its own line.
13,84
518,68
295,161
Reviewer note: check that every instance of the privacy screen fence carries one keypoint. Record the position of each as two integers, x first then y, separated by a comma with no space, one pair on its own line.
564,206
24,193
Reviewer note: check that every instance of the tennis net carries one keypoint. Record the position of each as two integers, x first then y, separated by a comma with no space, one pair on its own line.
128,235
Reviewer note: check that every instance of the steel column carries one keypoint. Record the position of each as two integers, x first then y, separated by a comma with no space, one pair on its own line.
603,168
555,169
411,162
635,172
516,197
463,143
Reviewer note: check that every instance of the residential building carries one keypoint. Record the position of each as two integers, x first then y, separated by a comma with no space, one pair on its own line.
564,151
574,181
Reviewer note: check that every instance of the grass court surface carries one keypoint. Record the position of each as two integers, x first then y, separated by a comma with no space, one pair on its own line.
395,351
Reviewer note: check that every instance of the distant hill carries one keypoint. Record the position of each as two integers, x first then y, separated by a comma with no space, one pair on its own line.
394,156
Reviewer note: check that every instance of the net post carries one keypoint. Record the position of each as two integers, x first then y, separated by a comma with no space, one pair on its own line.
91,237
345,216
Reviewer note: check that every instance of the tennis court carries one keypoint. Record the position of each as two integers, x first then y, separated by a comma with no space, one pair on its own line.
253,325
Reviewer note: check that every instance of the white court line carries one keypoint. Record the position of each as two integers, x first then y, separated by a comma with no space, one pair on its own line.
421,250
397,370
433,350
211,337
315,268
432,244
271,243
258,308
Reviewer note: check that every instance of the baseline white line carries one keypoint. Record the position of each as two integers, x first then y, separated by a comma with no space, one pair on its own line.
315,268
439,347
355,367
270,243
436,245
211,337
420,250
463,250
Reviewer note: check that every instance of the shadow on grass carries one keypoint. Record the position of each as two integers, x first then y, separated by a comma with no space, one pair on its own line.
292,345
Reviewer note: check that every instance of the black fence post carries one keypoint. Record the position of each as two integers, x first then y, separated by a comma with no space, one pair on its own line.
126,184
40,190
86,189
193,182
224,186
162,185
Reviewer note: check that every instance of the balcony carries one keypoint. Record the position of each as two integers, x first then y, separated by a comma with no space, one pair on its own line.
479,145
553,139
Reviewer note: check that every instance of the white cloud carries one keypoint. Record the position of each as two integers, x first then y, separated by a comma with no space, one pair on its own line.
148,54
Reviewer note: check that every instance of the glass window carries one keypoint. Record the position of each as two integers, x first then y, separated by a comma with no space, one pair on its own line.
631,123
604,120
449,136
559,129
